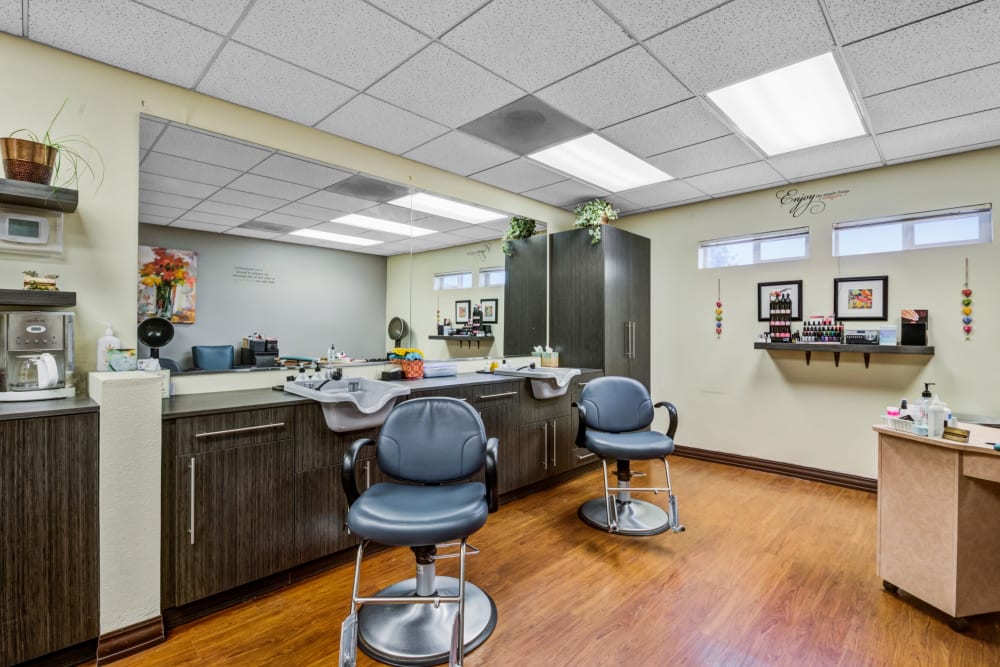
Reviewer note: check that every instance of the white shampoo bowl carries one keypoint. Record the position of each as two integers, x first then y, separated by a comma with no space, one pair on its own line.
345,410
545,382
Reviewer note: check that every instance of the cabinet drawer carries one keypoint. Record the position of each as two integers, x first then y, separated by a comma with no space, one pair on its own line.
580,381
226,430
495,394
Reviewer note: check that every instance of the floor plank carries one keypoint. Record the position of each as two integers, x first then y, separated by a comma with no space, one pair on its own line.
771,571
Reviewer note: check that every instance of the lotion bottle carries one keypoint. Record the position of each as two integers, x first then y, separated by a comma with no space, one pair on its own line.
936,413
108,341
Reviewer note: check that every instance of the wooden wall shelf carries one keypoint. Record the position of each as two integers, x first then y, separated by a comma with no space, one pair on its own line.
837,348
463,339
22,193
36,298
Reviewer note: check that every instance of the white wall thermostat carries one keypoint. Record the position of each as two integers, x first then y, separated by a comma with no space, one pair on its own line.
33,231
22,228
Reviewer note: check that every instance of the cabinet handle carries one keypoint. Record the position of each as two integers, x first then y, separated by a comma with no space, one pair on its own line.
585,456
368,475
628,339
553,443
506,393
582,384
545,448
633,340
245,429
191,518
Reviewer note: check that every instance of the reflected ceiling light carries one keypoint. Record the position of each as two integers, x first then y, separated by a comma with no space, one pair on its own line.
355,220
596,160
795,107
336,238
446,208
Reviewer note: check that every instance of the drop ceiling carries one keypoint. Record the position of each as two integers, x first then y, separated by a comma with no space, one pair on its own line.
412,78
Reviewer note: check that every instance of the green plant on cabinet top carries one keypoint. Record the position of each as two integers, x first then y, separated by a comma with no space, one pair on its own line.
592,215
519,228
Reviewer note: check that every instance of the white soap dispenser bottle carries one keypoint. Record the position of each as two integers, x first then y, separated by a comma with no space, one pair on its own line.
109,341
936,413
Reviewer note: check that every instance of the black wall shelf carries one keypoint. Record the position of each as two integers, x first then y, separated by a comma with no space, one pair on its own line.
36,298
22,193
463,339
837,348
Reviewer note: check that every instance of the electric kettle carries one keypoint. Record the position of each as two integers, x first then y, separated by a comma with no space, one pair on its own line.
37,371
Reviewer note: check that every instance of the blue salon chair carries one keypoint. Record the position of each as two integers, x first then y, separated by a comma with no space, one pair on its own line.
614,413
430,448
212,357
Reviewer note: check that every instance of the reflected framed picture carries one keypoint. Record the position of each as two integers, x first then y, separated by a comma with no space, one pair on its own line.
462,310
490,309
765,291
865,298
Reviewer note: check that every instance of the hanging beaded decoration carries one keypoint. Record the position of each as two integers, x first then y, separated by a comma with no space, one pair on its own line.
967,304
718,310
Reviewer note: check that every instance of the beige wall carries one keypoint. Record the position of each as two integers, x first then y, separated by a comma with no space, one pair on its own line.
733,398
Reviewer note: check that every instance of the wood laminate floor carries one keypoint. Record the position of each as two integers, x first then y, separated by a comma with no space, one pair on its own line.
771,571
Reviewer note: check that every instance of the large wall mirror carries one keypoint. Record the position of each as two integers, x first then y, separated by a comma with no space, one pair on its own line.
310,253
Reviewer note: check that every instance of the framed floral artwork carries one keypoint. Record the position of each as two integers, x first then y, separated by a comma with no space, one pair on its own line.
167,282
462,311
490,309
865,298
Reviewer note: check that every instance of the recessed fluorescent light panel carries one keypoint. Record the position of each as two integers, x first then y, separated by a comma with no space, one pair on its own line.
335,238
802,105
596,160
380,225
446,208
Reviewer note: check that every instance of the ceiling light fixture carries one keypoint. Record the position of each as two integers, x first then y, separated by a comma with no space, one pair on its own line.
367,222
596,160
798,106
446,208
335,238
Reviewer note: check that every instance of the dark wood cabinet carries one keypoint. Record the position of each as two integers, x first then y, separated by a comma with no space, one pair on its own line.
524,295
600,301
49,529
499,406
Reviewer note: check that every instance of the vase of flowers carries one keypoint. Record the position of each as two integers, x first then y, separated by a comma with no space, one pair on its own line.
592,215
410,359
164,273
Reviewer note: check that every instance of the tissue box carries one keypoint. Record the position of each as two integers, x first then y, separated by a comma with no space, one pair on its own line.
550,359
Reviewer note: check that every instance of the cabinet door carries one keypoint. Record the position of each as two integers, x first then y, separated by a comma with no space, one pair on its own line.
576,303
533,454
617,306
524,295
562,432
48,525
320,514
500,423
234,519
637,260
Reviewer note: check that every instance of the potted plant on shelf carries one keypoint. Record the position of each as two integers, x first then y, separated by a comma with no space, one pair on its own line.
593,214
36,159
518,228
411,360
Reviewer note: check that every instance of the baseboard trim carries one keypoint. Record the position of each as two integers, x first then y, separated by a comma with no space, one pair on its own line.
777,467
130,640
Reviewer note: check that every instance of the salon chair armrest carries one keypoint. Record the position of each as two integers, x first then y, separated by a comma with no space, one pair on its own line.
672,411
492,483
347,478
581,430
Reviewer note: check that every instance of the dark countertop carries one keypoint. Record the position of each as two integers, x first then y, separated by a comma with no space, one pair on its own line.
49,408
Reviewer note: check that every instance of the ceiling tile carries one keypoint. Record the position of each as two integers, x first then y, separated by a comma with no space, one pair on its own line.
259,81
345,40
248,199
965,132
439,224
336,202
477,233
533,44
376,123
149,131
200,226
369,188
164,199
757,174
270,186
315,213
711,155
623,205
659,194
351,230
645,18
161,211
394,214
520,175
252,233
10,17
433,18
936,100
190,170
271,227
682,124
212,218
211,148
127,35
286,220
231,210
854,20
526,125
621,87
953,42
460,153
153,219
826,158
299,170
175,186
566,192
725,45
441,85
215,16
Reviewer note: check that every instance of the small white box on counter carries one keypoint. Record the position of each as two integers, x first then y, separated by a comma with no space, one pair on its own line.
887,335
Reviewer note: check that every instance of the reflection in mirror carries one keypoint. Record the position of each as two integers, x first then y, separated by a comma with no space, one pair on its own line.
332,278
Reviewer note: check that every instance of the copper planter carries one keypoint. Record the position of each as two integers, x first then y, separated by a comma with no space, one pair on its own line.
25,160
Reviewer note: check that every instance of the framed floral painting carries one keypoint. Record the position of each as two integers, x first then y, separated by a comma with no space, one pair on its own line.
864,298
167,282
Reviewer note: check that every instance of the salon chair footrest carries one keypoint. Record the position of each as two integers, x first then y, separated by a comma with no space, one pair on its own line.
635,517
420,634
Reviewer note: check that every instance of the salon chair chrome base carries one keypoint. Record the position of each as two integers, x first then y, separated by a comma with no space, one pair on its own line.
635,517
420,634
